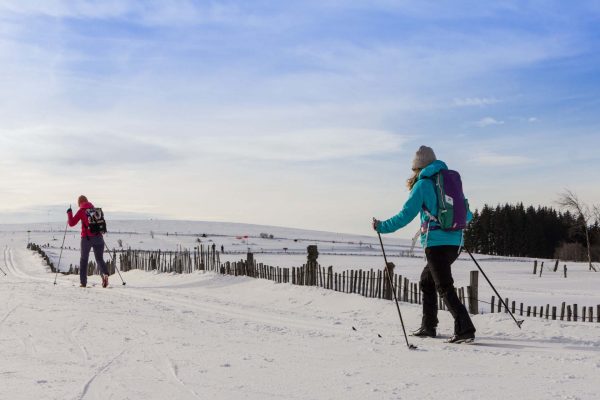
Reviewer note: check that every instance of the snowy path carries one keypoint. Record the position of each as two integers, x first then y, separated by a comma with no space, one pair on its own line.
211,337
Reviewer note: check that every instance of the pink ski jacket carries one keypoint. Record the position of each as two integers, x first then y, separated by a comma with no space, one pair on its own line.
80,216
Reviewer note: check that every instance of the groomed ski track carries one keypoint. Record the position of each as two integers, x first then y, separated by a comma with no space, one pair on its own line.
204,336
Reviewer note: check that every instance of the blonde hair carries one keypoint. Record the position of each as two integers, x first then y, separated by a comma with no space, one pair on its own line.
410,182
82,199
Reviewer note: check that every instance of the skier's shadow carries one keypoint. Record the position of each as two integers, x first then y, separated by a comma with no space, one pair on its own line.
505,345
494,343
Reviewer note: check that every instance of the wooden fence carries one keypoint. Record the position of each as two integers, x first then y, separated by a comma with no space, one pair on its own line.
368,283
567,312
184,261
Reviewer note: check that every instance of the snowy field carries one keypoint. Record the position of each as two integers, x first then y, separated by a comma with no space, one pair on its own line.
512,277
204,336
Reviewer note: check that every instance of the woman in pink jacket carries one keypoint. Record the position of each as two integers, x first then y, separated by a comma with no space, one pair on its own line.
89,241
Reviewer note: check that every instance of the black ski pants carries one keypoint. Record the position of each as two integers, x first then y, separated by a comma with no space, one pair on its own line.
95,243
437,278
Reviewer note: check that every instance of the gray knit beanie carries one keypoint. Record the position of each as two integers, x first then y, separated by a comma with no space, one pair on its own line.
423,157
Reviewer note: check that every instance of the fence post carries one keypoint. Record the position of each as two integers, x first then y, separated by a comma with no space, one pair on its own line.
565,269
249,264
521,309
541,269
562,311
556,266
535,267
311,264
387,288
474,295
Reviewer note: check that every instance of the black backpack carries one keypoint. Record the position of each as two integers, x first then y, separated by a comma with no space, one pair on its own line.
95,220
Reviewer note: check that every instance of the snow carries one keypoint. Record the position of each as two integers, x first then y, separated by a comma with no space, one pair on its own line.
219,337
513,278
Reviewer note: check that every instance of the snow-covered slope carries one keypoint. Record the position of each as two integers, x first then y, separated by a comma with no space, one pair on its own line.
204,336
512,277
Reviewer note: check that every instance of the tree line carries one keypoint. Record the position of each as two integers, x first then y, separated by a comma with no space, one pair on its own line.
542,232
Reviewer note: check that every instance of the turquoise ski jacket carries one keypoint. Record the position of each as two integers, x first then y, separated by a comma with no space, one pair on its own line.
422,194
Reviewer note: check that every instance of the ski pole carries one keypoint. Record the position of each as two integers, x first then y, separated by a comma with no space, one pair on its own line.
519,323
115,263
410,346
61,251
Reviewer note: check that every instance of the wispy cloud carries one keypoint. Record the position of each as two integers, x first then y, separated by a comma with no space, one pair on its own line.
492,159
150,12
475,101
68,147
309,145
488,121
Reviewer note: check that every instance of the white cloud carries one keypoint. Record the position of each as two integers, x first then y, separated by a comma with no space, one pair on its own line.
68,146
307,145
147,12
475,101
499,160
533,119
488,121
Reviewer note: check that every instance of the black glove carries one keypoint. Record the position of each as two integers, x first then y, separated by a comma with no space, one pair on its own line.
69,210
376,223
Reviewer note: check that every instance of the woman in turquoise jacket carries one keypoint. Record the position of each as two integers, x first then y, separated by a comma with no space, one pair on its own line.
441,248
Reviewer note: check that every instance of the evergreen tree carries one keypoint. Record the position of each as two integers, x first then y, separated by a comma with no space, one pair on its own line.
519,231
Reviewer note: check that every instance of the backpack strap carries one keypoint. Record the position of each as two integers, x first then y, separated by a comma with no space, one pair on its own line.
426,226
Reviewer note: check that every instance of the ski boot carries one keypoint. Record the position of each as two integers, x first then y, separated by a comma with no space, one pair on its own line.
424,332
467,337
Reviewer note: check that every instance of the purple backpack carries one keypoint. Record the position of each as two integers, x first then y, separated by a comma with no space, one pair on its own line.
452,205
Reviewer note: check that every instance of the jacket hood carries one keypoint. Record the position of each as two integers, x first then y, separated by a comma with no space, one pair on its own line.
432,169
86,205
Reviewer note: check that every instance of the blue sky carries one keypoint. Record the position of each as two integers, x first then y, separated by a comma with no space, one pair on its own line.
301,114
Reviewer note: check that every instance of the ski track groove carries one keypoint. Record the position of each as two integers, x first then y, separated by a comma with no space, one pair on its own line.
8,314
98,373
174,369
29,344
73,339
227,310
